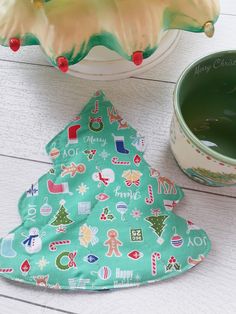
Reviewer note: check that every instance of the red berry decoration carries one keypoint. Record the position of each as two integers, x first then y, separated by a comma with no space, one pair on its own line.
137,58
63,64
14,44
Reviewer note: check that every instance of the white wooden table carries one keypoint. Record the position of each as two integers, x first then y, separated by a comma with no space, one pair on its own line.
36,101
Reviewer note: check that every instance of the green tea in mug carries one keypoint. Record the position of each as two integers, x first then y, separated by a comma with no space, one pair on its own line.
208,105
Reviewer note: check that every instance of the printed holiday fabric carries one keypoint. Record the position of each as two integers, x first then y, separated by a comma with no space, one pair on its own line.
101,218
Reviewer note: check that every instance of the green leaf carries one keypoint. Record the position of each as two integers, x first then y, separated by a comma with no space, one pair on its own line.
105,210
110,217
177,266
169,266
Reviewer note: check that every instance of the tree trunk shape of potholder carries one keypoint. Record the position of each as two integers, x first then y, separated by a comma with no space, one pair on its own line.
101,218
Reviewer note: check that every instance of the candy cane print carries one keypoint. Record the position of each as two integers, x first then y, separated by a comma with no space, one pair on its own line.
96,109
150,200
156,256
115,161
6,270
53,245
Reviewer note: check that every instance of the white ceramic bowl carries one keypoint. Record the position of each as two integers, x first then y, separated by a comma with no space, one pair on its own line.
200,162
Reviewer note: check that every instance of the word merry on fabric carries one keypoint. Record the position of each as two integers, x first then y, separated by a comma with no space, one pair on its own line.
93,140
127,194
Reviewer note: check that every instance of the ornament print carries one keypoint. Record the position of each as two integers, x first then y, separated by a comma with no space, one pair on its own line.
122,208
46,209
102,217
176,240
104,273
25,267
91,258
135,255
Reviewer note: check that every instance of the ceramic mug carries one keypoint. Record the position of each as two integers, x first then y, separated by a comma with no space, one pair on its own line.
203,129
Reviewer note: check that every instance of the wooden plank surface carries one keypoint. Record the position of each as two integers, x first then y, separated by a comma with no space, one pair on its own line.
228,6
11,305
37,101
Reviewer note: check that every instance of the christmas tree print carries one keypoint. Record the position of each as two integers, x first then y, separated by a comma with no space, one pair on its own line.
158,225
98,220
61,218
78,26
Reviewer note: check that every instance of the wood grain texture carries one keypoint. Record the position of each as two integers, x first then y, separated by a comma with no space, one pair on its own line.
228,6
209,288
38,102
11,306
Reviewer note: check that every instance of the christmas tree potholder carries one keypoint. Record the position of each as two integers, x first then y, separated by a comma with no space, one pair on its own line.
101,218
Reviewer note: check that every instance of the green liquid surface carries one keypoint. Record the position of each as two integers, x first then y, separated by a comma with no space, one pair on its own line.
210,113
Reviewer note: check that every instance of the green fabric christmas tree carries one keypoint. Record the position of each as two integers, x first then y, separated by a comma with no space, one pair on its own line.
102,217
61,218
158,224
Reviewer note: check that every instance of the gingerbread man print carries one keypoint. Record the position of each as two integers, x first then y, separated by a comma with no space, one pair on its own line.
113,243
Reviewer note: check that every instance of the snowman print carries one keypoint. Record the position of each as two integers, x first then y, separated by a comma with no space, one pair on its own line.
33,241
104,177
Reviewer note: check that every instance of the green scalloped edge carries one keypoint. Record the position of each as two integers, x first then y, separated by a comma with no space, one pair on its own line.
104,39
169,16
